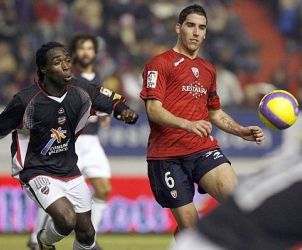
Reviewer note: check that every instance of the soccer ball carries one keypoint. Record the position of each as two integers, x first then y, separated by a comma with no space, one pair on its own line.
278,110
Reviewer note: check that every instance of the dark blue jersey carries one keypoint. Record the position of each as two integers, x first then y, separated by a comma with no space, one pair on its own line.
45,127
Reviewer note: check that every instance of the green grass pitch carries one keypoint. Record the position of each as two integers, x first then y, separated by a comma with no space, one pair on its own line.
107,241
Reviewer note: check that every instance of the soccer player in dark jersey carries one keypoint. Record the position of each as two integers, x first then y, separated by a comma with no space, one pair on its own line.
45,120
179,90
264,213
92,161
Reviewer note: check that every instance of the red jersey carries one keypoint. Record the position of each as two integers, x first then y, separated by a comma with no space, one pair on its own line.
186,88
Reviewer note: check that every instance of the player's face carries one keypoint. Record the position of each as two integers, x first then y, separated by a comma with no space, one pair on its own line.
192,32
58,66
85,53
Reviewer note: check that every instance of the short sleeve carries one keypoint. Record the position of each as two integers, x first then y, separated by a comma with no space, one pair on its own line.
213,99
12,116
154,80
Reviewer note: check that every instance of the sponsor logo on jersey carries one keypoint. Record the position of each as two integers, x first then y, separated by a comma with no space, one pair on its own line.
61,111
152,78
194,89
179,62
195,72
56,135
174,194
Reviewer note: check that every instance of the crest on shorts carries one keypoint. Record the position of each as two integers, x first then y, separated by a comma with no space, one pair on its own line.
45,190
174,194
195,72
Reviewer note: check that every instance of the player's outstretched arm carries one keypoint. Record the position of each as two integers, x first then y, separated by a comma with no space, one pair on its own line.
11,117
158,114
226,123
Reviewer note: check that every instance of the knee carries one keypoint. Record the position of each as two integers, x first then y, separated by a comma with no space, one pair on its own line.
86,236
102,192
66,223
188,220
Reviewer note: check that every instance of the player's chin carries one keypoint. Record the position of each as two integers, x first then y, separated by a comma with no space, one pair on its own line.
194,47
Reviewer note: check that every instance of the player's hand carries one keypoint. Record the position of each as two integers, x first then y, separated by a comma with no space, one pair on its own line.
202,128
253,133
128,116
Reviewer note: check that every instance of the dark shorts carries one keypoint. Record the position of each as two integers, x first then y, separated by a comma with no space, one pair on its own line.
172,180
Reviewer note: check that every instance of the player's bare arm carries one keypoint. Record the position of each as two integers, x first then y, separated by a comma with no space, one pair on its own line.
158,114
226,123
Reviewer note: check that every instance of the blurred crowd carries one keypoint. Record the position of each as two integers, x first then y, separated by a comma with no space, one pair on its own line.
129,32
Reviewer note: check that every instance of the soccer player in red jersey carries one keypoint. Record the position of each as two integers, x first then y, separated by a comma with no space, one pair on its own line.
179,90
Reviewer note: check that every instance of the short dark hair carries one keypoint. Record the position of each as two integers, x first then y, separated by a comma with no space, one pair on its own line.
82,37
41,58
192,9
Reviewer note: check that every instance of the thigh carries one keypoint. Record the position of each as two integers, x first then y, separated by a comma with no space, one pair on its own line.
171,185
220,181
79,195
45,190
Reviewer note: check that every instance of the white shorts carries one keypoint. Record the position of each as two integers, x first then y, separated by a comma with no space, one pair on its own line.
92,161
45,190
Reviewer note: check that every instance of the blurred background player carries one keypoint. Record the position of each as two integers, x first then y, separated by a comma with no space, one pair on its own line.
263,213
179,90
92,160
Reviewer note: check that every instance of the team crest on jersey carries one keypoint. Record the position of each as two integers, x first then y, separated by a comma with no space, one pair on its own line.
195,72
61,119
152,79
56,135
174,194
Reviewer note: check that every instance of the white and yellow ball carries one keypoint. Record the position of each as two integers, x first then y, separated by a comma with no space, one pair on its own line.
278,110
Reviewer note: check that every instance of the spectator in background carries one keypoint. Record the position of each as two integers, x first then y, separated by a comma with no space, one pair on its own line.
87,15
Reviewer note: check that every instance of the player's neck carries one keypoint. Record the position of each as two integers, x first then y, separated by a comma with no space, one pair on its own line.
182,50
53,89
87,69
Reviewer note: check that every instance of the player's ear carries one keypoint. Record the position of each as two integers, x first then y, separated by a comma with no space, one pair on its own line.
177,28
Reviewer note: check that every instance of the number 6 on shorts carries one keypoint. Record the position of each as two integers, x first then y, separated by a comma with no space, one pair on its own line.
169,180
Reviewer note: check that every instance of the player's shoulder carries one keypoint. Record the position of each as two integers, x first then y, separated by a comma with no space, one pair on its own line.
26,94
207,65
